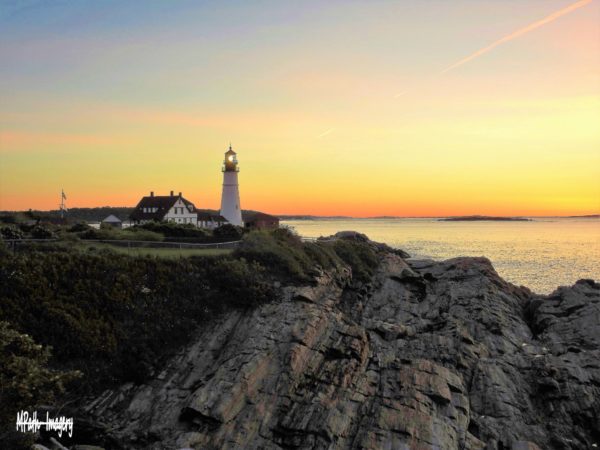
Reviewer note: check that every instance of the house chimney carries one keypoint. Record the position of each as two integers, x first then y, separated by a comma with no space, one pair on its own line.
180,194
171,193
151,193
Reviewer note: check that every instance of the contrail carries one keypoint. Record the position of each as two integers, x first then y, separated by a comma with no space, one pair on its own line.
552,17
325,133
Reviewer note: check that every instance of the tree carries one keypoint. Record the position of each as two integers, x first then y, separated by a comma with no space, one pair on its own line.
25,382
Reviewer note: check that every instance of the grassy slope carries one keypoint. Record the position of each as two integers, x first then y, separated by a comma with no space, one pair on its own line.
159,252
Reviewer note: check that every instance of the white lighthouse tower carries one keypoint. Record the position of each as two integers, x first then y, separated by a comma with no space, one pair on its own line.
230,198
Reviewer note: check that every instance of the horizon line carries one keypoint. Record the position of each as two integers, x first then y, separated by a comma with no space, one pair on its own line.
338,216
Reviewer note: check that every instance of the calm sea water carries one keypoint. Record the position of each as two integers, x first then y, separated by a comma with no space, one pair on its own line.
541,254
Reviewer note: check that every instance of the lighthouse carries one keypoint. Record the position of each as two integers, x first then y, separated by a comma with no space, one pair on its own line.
230,197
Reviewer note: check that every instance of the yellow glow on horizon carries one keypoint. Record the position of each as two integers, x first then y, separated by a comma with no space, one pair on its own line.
336,116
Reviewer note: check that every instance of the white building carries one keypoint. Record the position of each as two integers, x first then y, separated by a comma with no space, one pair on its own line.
175,208
210,219
230,197
170,208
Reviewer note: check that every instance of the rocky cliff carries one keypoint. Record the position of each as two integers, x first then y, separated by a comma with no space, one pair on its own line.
429,355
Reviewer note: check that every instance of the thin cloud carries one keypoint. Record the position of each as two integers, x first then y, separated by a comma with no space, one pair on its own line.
14,140
551,18
325,133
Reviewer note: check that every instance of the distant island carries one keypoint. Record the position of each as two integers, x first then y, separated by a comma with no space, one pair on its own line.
479,218
309,217
588,216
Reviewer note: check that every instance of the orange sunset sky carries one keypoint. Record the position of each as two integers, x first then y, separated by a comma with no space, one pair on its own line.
408,108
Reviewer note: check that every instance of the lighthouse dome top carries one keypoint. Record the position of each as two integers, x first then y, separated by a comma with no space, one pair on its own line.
230,164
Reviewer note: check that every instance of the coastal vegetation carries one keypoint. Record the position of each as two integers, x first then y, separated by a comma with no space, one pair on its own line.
286,255
150,232
109,317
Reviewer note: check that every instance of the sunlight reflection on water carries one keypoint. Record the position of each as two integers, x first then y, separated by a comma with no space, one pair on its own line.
541,254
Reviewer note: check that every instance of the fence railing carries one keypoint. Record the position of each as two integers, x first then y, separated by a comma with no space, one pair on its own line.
163,244
155,244
136,244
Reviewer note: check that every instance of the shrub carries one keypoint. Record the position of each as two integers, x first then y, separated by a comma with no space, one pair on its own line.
25,382
173,230
103,234
282,253
228,231
79,227
139,235
114,316
360,256
11,233
41,232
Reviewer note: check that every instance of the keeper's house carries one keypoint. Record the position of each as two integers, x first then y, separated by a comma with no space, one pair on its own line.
169,208
210,219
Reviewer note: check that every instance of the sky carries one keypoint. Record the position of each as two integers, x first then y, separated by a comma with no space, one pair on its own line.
361,108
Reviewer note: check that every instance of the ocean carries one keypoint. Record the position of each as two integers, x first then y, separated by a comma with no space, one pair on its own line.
542,254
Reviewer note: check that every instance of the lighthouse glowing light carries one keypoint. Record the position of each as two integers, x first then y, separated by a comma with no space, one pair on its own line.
230,197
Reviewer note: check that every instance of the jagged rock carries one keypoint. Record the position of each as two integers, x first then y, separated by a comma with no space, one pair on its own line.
351,235
524,445
429,355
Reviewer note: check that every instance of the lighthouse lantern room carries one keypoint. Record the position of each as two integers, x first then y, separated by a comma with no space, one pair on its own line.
230,197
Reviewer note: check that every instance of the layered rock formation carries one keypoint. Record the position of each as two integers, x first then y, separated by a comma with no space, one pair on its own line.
430,355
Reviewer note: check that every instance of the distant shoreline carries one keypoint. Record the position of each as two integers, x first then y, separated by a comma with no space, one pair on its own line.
99,213
485,218
284,217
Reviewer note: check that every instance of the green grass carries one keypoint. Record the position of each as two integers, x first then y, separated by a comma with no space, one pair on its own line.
159,252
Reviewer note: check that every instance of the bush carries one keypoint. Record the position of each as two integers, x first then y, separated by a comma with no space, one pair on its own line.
279,250
139,235
284,254
41,232
25,382
114,316
79,227
360,256
173,230
228,231
11,233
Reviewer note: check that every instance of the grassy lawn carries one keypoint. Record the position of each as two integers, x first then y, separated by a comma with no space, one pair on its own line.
162,252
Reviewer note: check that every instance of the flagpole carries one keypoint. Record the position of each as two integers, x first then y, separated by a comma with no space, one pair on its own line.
63,197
